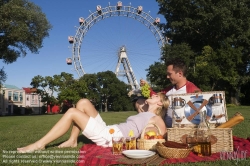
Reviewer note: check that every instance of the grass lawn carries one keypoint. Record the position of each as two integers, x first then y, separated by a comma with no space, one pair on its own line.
18,131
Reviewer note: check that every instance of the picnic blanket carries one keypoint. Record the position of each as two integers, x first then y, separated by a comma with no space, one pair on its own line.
91,154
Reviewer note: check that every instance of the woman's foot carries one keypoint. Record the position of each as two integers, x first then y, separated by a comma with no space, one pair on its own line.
30,148
68,144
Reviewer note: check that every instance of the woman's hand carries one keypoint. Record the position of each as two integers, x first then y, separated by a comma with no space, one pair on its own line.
140,109
141,106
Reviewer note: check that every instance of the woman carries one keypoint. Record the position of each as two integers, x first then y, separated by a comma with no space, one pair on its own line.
86,118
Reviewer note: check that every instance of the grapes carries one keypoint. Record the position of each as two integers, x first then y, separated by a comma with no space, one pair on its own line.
145,90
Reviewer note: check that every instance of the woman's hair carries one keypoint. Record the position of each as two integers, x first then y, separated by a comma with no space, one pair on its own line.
165,103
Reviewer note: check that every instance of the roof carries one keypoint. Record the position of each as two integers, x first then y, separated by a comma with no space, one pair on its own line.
29,90
11,87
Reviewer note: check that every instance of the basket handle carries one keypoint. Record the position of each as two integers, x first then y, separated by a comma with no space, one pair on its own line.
143,131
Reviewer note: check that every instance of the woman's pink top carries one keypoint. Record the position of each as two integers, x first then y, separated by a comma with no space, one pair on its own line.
136,123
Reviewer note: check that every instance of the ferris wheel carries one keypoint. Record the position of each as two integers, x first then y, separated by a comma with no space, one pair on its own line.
134,13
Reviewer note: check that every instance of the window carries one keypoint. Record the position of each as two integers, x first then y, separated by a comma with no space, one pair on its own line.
21,96
15,96
9,95
33,99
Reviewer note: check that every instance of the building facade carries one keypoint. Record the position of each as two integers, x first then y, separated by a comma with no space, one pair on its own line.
15,101
33,100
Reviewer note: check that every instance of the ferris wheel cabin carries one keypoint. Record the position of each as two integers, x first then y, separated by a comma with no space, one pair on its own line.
69,61
119,5
157,21
81,20
71,39
139,9
99,9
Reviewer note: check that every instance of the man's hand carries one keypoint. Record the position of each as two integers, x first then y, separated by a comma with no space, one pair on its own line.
142,82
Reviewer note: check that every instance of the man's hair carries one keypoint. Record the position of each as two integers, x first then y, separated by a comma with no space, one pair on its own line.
178,65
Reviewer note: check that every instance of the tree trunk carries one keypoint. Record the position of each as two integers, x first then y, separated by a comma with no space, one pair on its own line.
106,105
234,100
234,97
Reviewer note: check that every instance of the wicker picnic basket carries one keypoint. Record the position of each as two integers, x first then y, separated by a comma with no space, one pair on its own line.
169,153
149,144
222,138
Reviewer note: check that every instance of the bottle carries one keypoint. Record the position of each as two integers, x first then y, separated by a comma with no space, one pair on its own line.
191,140
203,133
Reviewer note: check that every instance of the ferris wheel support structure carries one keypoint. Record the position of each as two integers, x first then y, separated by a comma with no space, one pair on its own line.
110,11
128,72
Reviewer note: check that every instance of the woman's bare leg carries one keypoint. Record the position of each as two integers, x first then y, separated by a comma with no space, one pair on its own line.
85,106
60,128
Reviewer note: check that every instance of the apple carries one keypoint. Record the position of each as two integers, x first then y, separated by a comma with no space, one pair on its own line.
159,137
146,136
151,133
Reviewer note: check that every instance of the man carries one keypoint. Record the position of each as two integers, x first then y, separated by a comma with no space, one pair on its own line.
176,73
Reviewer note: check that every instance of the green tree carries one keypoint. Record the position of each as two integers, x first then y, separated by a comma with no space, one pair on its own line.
73,92
63,80
46,86
3,77
107,92
67,87
93,91
23,27
157,71
114,92
157,76
220,26
104,90
64,84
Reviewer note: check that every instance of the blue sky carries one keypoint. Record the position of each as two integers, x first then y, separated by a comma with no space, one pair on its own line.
99,47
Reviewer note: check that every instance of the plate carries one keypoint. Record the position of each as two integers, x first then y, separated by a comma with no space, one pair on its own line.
189,111
136,154
139,157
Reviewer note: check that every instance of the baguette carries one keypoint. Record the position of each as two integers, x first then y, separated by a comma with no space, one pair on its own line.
233,121
172,144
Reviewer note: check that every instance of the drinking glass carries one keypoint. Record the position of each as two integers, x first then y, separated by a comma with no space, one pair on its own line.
130,143
178,120
117,145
